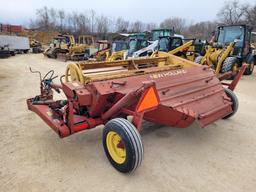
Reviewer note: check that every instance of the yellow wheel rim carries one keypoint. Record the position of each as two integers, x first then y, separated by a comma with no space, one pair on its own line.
75,73
235,68
115,147
252,66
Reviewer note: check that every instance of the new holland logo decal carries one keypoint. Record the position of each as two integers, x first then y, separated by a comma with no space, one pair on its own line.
168,74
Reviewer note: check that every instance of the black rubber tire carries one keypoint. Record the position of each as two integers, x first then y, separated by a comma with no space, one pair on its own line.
54,54
198,59
131,140
25,51
250,68
234,101
228,64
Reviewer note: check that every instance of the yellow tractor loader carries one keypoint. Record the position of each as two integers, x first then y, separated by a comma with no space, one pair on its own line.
231,48
117,51
217,57
102,52
109,52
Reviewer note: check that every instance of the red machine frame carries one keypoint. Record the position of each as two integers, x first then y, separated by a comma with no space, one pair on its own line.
64,117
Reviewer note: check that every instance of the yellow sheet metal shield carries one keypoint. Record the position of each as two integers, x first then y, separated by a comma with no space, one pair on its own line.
117,153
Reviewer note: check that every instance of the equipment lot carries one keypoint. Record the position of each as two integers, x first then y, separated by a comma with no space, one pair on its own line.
221,157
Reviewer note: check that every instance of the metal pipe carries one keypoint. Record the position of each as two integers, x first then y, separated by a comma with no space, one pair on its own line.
127,100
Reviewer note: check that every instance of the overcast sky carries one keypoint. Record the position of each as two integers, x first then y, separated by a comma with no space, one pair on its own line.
21,11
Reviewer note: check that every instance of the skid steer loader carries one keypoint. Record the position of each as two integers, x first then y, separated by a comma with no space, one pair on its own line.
142,46
175,45
229,50
137,42
152,44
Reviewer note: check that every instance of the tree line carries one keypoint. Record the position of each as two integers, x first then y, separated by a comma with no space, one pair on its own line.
89,22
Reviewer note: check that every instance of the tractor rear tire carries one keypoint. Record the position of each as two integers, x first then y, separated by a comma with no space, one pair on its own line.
54,54
198,59
234,101
25,51
122,145
249,69
13,53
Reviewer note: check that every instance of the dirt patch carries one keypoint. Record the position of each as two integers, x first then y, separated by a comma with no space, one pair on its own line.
2,77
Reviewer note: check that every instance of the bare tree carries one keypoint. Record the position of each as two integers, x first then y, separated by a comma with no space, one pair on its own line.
111,24
137,26
232,12
61,16
43,18
73,22
151,26
83,23
53,18
33,24
93,15
48,19
121,25
103,24
179,24
201,30
250,15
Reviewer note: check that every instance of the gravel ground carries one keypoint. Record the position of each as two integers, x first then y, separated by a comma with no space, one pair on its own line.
221,157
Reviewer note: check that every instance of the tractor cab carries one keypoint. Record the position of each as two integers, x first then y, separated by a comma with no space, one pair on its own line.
86,39
230,49
56,41
119,45
175,45
240,34
100,53
136,42
118,49
63,41
157,33
168,43
103,45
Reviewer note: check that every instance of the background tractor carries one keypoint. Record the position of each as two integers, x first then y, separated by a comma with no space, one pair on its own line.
102,51
35,45
137,42
142,46
230,49
156,33
107,51
117,51
175,45
65,46
59,44
165,40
